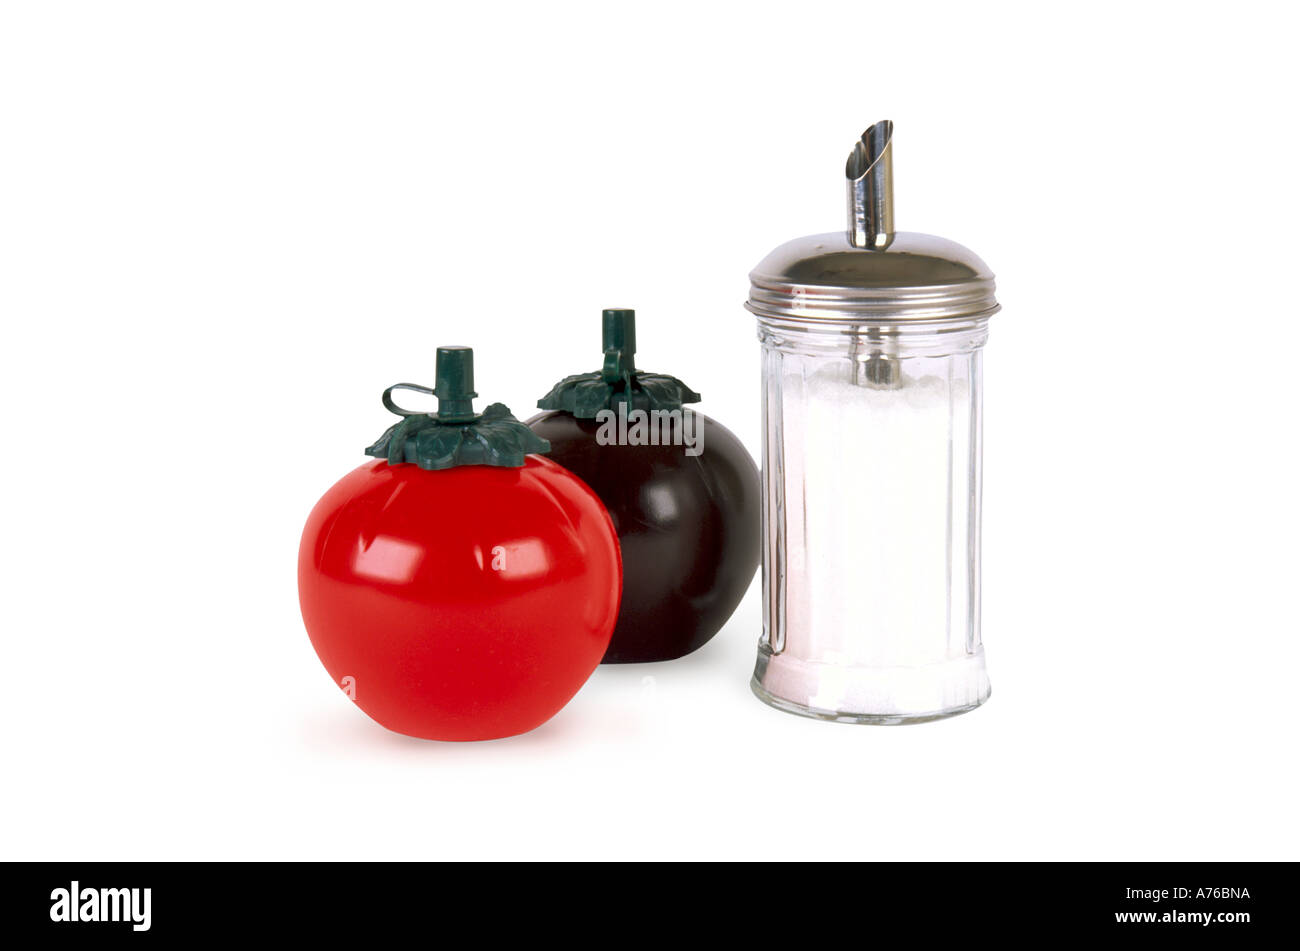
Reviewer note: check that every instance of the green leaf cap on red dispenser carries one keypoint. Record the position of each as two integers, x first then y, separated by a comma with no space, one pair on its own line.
454,435
618,381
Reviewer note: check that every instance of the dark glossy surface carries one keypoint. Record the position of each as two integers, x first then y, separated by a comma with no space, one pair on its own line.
688,527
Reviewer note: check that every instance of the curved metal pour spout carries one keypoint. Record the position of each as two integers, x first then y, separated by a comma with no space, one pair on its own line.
870,174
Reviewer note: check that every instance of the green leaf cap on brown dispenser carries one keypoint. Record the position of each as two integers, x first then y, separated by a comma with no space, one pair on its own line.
454,435
618,381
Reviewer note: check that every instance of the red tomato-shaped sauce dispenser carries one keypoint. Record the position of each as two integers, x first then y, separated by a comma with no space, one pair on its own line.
459,587
683,492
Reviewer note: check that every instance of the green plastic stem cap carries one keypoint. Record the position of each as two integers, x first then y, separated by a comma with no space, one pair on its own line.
455,435
586,395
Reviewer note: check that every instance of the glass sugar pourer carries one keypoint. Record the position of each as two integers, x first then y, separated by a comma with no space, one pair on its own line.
872,345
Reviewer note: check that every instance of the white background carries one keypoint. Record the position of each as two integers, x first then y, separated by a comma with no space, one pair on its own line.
225,227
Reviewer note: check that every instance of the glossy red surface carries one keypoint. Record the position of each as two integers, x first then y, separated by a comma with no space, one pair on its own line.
464,604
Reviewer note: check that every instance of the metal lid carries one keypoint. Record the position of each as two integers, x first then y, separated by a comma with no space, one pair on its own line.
869,270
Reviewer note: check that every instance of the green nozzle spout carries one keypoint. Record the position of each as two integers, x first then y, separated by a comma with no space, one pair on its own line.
454,384
619,332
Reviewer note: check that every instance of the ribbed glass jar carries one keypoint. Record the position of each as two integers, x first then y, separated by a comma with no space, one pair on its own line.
871,522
